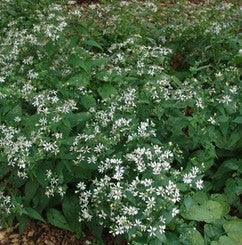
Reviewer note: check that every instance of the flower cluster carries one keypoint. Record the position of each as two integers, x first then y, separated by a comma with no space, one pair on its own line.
6,205
54,185
121,115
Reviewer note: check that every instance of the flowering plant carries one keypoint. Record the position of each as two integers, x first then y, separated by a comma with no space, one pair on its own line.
106,120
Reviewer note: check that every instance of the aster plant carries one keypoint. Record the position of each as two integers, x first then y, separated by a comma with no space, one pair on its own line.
115,115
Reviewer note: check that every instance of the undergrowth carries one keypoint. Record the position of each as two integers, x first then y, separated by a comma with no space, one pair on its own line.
122,115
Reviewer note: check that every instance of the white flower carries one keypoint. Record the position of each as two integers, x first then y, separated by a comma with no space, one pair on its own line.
212,120
81,186
187,178
150,202
199,184
174,212
32,74
152,231
119,230
162,219
162,228
17,119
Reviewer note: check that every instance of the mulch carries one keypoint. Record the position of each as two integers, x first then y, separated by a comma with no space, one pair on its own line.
38,233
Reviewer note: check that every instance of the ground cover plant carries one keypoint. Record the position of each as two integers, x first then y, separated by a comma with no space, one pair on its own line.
124,116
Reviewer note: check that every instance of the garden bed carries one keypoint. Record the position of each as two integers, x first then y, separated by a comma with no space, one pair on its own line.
120,122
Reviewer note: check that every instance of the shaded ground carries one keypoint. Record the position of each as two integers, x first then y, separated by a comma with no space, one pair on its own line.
38,233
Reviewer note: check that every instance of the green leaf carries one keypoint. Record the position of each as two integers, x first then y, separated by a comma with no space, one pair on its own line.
238,60
23,221
73,41
222,199
227,166
93,43
224,240
96,229
40,174
99,61
233,226
77,61
233,229
57,219
76,118
16,111
50,48
88,101
106,91
172,239
208,212
40,201
34,214
71,208
194,237
4,169
233,190
238,120
200,197
31,188
79,80
155,241
213,231
16,181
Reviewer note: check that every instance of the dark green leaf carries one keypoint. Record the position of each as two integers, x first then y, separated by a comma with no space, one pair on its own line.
34,214
106,91
88,101
57,219
31,188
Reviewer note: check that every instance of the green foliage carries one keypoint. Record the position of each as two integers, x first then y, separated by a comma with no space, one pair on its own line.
57,219
123,116
208,212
